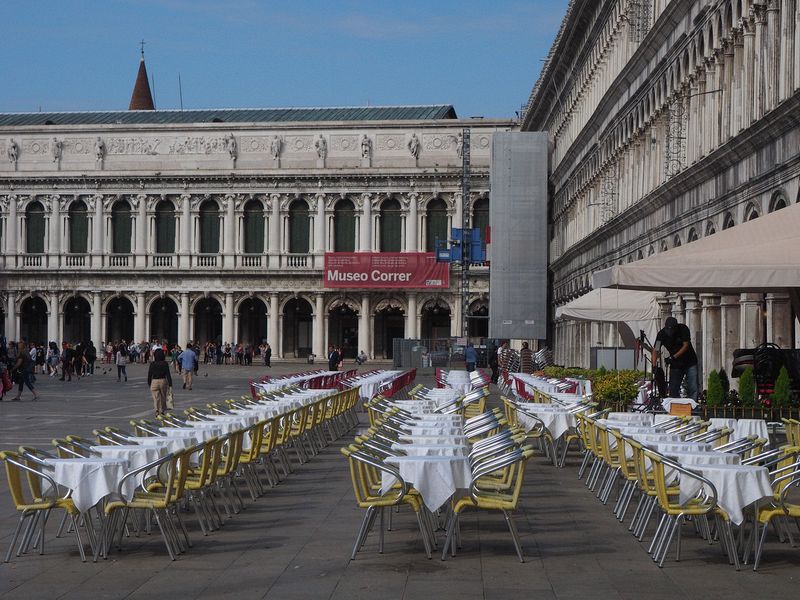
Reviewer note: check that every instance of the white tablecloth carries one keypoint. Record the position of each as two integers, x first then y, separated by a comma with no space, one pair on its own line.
737,487
282,382
557,420
432,449
459,381
705,458
203,431
91,479
435,439
743,428
370,384
171,444
644,438
436,478
435,430
667,447
631,418
136,455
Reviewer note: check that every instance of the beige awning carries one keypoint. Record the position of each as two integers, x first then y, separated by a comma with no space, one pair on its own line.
631,310
762,255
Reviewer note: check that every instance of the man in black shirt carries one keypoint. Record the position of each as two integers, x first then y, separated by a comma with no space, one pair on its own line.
675,337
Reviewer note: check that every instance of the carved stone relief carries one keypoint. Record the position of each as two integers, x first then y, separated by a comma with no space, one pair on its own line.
344,143
299,143
389,142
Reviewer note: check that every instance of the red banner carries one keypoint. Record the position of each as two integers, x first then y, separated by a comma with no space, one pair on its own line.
385,270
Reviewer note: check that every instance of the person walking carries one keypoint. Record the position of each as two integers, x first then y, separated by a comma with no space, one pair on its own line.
52,359
267,355
525,359
23,372
121,360
333,359
90,354
160,381
67,361
470,357
188,360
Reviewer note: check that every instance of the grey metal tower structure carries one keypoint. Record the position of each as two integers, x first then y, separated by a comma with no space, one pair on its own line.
466,239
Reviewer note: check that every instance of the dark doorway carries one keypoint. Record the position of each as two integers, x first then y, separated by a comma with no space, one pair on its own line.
435,320
164,321
297,334
208,322
252,321
343,330
389,324
33,321
77,320
119,320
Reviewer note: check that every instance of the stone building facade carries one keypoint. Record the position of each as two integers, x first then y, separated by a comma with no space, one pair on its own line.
669,120
213,225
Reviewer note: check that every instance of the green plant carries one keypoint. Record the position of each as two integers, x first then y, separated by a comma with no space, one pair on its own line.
747,387
782,394
715,395
726,383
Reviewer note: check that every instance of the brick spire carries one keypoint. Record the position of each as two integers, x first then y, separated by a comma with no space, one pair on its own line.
141,99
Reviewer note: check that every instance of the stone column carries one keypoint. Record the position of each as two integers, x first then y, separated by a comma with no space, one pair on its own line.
186,232
759,71
729,329
12,327
139,332
98,224
319,226
786,79
229,237
779,320
141,231
411,321
363,324
772,57
272,323
729,93
55,228
183,320
52,318
694,323
365,229
751,318
411,223
228,334
796,47
736,92
97,321
11,232
455,317
748,73
318,343
274,246
712,332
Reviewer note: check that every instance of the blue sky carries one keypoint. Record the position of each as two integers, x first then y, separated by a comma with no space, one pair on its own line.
481,56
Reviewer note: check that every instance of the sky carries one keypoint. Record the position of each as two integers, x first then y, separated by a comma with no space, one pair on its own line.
481,56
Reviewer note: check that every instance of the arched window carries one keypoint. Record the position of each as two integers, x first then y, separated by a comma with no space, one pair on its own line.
480,218
253,227
390,226
710,229
34,228
778,202
751,213
676,242
165,227
435,224
121,227
209,227
78,228
344,226
728,222
298,227
691,236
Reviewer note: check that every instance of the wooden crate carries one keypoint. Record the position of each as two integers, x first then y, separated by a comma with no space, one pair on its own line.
680,410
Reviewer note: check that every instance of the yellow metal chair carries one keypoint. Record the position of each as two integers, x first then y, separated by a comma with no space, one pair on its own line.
375,501
33,504
482,498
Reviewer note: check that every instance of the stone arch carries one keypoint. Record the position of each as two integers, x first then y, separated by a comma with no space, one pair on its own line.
148,302
676,241
338,301
300,295
710,228
778,201
750,212
691,236
193,301
663,247
238,303
62,303
728,221
107,300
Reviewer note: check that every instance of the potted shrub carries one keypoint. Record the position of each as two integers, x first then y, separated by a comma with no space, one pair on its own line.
782,393
747,388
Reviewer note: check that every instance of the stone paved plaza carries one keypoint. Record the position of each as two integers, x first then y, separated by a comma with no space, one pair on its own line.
295,541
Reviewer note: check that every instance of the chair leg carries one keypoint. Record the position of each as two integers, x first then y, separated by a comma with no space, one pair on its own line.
361,533
449,541
14,538
512,527
78,537
423,533
760,547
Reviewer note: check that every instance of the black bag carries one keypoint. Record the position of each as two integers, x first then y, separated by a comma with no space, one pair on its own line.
661,382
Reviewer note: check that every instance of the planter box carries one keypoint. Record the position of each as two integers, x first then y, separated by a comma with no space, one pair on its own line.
749,412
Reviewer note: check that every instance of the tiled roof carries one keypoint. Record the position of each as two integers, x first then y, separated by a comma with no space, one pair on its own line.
233,115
